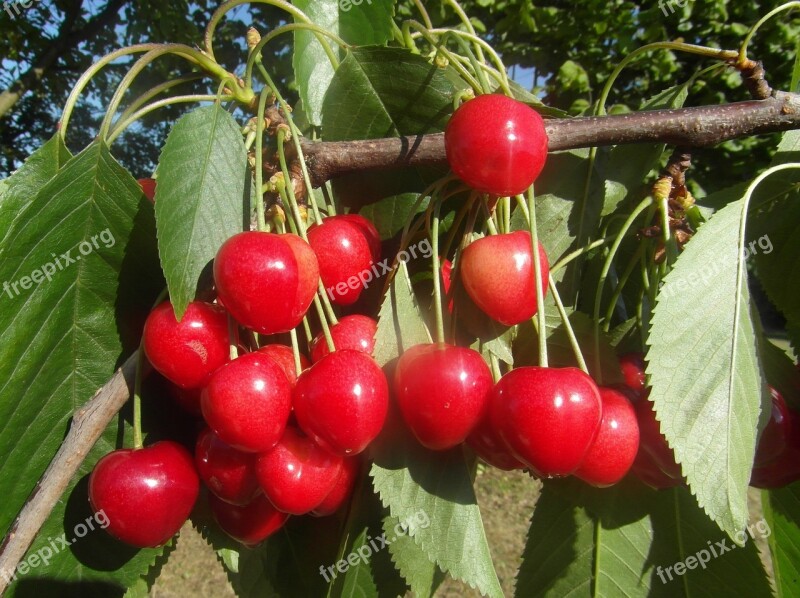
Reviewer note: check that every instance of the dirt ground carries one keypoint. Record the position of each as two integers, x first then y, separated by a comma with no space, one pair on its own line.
506,500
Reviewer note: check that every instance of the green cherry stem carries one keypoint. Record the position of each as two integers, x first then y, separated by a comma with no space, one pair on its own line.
573,340
298,366
260,209
437,273
137,399
632,263
537,274
783,7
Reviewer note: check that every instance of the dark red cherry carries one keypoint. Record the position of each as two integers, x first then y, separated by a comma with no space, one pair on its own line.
297,475
341,401
284,357
775,435
653,441
146,494
648,472
442,391
343,489
488,445
354,332
266,281
148,188
187,398
187,352
633,370
247,402
227,472
249,524
785,468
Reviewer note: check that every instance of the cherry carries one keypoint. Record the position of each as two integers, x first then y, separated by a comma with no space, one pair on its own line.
614,449
266,281
648,472
633,370
187,398
345,258
341,491
653,441
341,401
249,524
297,475
442,391
146,494
447,279
490,447
284,357
548,417
148,188
496,145
785,468
370,232
189,351
497,273
247,402
775,436
229,473
354,332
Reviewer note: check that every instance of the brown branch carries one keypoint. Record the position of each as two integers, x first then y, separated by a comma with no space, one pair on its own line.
693,127
88,425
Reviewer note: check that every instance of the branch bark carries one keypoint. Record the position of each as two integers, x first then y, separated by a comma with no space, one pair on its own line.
691,127
88,425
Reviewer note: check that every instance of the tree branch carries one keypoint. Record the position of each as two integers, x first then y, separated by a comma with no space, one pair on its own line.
88,425
691,127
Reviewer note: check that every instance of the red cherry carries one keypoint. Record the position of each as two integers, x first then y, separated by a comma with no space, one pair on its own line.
548,417
228,473
653,441
146,494
341,401
266,281
775,435
187,398
250,524
496,145
189,351
497,273
247,403
447,278
370,232
341,491
488,445
148,188
442,391
297,475
633,369
614,448
354,332
345,258
785,468
284,357
648,472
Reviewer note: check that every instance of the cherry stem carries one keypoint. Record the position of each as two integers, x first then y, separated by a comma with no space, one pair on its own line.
645,204
495,367
621,286
743,50
262,106
573,341
537,275
489,218
567,259
232,338
437,272
298,366
137,399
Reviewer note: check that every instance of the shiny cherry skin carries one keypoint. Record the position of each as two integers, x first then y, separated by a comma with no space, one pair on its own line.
649,473
343,489
341,401
370,232
297,475
653,441
447,281
633,370
614,449
187,352
496,144
344,254
227,472
548,417
785,468
284,357
354,332
148,188
775,436
249,524
490,447
247,403
146,494
266,281
497,273
442,392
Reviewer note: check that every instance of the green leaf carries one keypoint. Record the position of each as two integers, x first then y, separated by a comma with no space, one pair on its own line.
782,513
91,228
200,199
704,368
779,371
421,574
389,215
23,185
626,541
358,23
